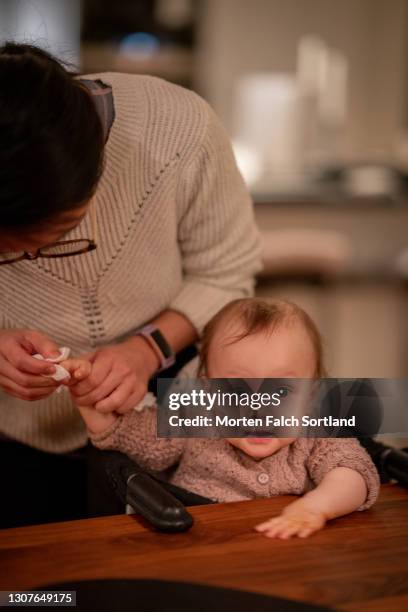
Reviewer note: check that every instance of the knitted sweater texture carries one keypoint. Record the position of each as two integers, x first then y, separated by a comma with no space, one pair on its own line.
176,230
216,469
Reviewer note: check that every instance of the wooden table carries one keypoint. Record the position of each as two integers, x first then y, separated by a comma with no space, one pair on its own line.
359,562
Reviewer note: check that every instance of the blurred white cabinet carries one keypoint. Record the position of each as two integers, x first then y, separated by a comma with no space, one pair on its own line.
362,317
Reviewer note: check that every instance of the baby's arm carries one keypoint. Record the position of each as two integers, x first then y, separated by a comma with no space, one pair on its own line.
341,491
134,434
95,421
346,480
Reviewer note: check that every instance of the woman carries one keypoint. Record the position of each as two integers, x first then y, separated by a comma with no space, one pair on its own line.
137,178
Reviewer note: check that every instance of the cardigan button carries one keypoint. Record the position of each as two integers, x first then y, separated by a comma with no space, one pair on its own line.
263,478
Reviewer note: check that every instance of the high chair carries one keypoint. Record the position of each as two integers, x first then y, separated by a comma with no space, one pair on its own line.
162,504
158,501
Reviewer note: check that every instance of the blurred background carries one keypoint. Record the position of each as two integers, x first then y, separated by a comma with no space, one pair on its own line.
314,94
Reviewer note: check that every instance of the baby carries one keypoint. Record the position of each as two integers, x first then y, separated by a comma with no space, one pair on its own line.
251,338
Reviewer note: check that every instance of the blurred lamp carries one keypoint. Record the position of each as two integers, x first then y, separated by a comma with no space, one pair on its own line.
248,163
267,120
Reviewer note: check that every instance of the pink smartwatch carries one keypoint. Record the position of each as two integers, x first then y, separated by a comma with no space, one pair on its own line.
159,344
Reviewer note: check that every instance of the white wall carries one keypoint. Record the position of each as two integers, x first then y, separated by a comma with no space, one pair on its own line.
51,24
241,36
364,320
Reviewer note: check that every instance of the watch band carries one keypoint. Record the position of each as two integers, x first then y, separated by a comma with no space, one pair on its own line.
159,344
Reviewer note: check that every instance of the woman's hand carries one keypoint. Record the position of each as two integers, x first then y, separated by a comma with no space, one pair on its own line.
119,377
294,521
21,375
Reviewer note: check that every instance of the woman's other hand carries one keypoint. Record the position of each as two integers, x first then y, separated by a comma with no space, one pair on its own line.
119,378
21,375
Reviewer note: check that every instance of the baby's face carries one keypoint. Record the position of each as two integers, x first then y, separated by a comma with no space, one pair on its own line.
287,352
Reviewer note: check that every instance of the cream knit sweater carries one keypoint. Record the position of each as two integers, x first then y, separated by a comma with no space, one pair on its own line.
176,230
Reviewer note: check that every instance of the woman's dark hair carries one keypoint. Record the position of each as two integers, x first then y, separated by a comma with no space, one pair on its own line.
51,139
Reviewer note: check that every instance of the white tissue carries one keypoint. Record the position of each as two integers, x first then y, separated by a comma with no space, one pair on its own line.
60,372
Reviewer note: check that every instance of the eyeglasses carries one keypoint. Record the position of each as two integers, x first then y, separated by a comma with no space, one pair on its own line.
63,248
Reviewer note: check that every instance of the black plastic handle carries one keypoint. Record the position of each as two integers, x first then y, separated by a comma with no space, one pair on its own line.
145,494
148,498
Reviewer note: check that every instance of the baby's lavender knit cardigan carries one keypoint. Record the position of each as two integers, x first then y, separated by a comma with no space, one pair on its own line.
216,469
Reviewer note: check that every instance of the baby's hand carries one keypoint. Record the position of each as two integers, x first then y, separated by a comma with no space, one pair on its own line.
95,421
297,522
78,368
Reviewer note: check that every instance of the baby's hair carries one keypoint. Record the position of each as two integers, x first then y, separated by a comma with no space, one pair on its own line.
257,315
